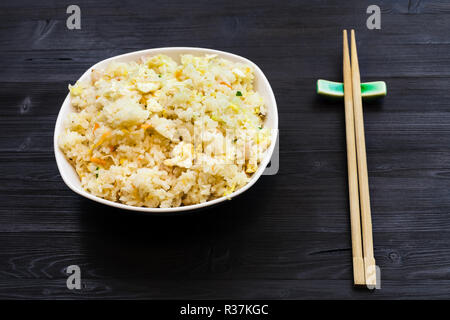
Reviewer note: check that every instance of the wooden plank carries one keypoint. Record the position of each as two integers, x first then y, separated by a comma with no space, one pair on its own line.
207,289
217,255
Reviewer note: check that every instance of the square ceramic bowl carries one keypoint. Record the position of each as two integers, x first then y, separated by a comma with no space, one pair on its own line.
261,85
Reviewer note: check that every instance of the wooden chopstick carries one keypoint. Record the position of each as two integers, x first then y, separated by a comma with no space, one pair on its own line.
364,197
355,223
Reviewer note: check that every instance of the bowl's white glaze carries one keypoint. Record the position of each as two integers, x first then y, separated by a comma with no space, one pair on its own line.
261,84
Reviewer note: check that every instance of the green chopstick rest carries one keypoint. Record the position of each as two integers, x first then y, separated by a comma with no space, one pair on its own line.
333,89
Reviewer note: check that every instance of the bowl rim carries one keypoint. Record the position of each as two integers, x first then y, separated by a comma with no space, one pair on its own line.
59,156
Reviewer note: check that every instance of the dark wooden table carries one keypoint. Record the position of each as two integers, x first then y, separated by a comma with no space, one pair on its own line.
286,238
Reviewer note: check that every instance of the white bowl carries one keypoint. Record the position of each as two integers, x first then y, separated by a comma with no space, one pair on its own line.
261,84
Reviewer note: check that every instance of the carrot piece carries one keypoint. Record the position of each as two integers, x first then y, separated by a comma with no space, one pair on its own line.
96,126
101,140
98,161
225,84
178,74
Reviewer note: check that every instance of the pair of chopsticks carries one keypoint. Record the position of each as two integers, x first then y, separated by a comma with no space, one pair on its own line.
364,272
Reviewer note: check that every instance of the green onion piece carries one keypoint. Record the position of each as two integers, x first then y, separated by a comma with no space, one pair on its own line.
239,94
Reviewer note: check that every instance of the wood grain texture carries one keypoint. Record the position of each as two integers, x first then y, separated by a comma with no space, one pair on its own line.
288,237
